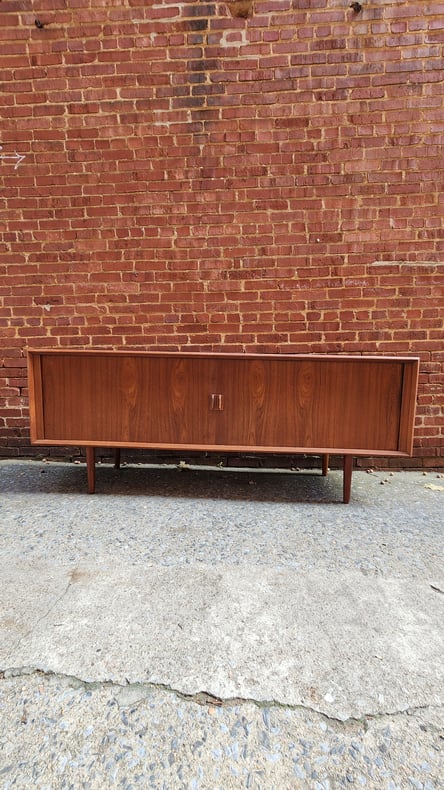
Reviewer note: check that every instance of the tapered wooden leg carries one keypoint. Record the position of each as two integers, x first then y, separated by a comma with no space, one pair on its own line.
91,468
117,458
325,460
347,479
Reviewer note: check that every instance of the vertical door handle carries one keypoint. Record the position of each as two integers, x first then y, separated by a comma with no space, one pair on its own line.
216,402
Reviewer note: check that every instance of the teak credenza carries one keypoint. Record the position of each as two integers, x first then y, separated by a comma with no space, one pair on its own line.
264,403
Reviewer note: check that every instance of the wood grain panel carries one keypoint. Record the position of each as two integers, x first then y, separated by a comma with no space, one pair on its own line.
35,397
307,403
150,400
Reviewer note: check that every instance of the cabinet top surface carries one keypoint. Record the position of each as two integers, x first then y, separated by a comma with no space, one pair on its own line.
218,355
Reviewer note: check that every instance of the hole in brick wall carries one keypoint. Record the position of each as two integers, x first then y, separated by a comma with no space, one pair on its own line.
241,9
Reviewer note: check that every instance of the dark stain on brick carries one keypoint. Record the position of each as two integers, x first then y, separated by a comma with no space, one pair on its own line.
196,20
201,9
241,9
198,24
202,65
191,102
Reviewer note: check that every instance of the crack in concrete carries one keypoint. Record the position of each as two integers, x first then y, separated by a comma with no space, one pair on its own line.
43,616
205,698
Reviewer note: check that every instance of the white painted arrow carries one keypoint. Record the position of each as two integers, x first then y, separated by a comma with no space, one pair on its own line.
18,157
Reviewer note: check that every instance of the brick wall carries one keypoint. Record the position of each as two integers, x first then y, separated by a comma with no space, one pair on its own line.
236,175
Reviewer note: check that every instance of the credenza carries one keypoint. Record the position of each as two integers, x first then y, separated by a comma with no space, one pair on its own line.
346,405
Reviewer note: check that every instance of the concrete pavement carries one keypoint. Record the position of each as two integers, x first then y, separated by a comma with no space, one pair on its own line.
206,629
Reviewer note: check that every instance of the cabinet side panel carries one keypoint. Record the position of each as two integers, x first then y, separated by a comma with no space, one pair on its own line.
36,413
408,410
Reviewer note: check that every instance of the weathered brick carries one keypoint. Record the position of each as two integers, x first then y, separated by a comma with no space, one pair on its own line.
202,181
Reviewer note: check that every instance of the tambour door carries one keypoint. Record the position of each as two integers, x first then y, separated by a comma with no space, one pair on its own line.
127,399
347,404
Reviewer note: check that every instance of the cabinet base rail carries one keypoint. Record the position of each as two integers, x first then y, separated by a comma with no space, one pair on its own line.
347,470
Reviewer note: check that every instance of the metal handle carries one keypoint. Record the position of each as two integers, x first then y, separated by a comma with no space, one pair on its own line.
216,402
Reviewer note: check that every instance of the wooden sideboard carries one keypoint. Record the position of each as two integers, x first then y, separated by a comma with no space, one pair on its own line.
264,403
